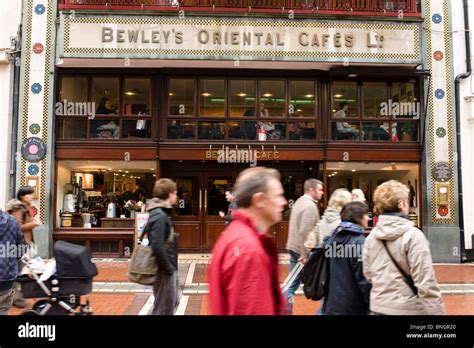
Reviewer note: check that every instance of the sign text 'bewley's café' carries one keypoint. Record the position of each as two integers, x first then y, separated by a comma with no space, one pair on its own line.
283,39
236,38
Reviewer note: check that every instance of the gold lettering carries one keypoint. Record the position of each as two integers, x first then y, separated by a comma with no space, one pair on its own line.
178,37
216,38
208,154
257,154
203,37
315,41
370,44
349,39
259,36
120,34
325,39
166,34
300,39
144,40
337,40
276,154
234,38
107,34
279,43
155,36
247,39
269,40
264,154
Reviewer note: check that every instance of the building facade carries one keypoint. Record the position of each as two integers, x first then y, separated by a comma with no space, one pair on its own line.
119,94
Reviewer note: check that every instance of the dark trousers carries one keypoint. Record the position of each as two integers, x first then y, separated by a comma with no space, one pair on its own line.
166,294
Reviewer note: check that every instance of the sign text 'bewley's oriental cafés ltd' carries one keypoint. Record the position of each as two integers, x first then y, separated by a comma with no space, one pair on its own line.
244,38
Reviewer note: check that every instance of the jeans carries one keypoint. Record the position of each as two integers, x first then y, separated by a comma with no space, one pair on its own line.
290,294
6,299
166,294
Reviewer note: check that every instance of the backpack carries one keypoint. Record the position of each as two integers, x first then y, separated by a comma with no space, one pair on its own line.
316,274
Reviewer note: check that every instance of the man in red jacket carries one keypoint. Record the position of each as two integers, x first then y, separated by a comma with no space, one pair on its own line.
243,275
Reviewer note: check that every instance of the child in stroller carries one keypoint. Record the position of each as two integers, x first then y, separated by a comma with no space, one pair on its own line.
61,292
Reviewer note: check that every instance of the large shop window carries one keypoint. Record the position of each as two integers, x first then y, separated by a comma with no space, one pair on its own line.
367,176
375,111
94,194
242,109
104,108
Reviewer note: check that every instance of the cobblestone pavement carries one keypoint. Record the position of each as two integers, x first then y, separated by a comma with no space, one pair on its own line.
113,294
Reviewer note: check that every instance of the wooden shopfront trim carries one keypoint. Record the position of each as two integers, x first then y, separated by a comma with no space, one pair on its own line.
107,153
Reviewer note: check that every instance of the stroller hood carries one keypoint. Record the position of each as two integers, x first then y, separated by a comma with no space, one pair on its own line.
73,261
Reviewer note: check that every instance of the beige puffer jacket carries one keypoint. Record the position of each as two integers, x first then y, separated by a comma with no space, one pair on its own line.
390,294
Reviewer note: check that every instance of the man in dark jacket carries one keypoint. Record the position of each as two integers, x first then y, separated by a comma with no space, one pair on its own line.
12,247
348,292
165,249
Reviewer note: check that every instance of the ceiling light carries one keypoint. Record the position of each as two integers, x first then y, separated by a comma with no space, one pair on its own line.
309,95
352,75
337,95
242,94
353,170
268,95
120,170
126,171
206,94
152,168
129,93
171,94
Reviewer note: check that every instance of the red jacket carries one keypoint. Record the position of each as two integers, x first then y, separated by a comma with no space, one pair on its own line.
243,275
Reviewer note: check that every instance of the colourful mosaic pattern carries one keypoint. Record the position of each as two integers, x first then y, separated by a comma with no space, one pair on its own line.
35,128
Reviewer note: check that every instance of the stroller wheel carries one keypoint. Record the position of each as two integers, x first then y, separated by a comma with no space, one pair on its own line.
30,312
39,305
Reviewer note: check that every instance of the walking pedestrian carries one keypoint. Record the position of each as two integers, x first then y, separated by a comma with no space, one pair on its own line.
304,218
358,195
13,244
243,274
160,233
348,290
397,259
232,207
331,218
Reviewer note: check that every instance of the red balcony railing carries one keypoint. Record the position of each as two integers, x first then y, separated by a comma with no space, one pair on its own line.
327,6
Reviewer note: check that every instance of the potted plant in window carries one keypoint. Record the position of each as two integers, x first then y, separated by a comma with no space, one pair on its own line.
407,131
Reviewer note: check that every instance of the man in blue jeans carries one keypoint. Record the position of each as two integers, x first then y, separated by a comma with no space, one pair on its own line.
12,247
303,219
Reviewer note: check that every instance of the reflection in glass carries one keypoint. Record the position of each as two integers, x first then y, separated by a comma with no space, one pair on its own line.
242,98
405,131
376,130
375,93
136,129
105,129
406,93
345,93
212,97
302,98
272,130
181,129
181,97
272,98
345,131
73,89
187,196
242,130
105,95
301,130
72,128
136,97
211,130
216,187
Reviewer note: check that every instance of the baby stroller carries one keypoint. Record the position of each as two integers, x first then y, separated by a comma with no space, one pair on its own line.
61,293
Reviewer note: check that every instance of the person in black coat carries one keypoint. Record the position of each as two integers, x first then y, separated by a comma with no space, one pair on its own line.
165,248
348,290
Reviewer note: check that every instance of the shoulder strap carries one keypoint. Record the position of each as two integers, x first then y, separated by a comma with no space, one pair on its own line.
406,277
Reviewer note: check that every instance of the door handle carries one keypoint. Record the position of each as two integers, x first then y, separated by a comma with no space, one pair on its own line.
200,200
205,200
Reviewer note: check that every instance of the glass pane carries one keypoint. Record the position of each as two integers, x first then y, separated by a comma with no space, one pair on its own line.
345,130
271,130
188,196
181,129
181,97
216,187
375,94
242,98
212,98
211,130
73,89
405,131
302,130
405,101
136,129
302,99
72,128
272,98
105,92
376,130
136,97
344,99
105,129
242,130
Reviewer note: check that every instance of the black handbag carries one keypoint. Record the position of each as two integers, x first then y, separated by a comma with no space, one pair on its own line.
316,274
407,278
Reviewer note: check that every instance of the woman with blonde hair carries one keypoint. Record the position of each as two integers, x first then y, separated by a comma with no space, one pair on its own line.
358,195
397,259
332,215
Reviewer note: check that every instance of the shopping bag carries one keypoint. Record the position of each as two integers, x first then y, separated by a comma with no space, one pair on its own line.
143,268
